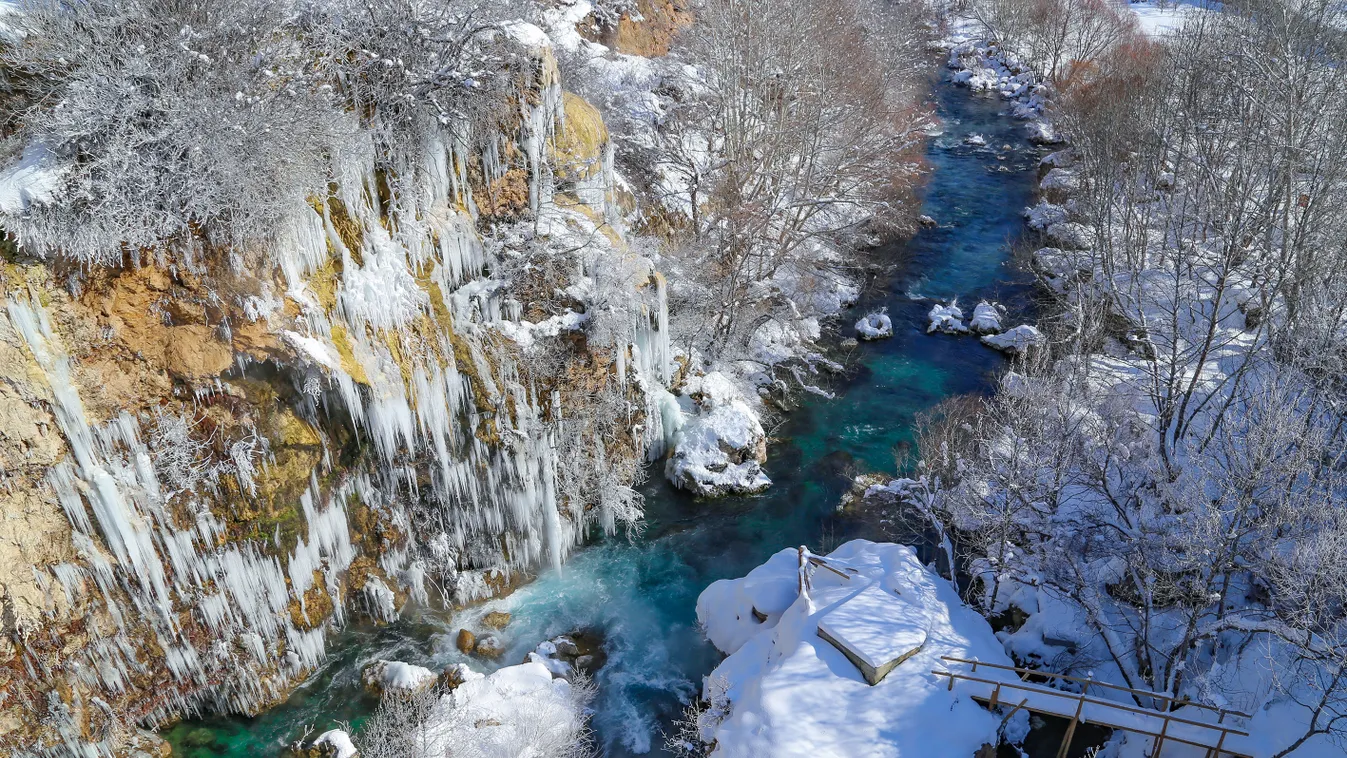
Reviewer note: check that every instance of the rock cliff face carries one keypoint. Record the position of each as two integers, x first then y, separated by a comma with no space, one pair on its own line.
210,457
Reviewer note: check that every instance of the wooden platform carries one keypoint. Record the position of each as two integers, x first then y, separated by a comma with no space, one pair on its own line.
876,630
1001,685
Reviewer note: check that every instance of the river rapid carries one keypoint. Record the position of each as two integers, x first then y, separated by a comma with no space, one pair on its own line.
640,594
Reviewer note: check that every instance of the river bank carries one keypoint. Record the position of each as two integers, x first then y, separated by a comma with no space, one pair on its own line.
641,594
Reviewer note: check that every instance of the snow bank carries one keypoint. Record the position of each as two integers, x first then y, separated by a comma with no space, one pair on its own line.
1014,341
790,693
721,444
875,326
947,319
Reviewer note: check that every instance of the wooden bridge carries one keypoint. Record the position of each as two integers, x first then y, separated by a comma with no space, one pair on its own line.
994,688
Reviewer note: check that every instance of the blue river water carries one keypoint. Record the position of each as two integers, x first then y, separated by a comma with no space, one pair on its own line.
641,594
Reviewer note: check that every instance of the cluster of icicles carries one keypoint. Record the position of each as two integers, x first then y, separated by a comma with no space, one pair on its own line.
418,410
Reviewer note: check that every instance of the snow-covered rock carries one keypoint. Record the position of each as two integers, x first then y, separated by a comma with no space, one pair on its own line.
1014,341
947,319
518,710
1070,235
382,677
335,744
1059,159
721,445
1044,215
1042,133
975,139
1060,180
784,691
926,221
986,318
875,326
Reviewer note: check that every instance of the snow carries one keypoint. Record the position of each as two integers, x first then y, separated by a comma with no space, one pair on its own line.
877,626
1044,215
515,711
947,319
1070,235
34,179
1159,20
526,332
986,318
975,139
338,741
396,675
793,694
720,443
875,326
1014,341
1060,180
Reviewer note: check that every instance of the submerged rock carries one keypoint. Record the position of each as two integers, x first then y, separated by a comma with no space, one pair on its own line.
496,619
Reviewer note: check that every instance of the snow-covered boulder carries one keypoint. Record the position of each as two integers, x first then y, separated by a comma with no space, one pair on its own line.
785,691
382,677
1042,133
986,318
569,654
875,326
1014,341
1044,215
517,710
1070,235
721,445
1059,159
947,319
1060,180
927,221
975,139
334,744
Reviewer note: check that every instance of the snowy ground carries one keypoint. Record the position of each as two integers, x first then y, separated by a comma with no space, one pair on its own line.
783,691
1160,19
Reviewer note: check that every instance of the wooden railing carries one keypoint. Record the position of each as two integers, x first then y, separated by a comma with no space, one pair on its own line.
1220,730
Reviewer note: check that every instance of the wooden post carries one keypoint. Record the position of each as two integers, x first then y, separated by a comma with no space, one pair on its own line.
996,695
1160,741
1071,728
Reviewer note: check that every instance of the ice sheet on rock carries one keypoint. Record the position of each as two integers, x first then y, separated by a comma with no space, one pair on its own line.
1014,341
793,695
